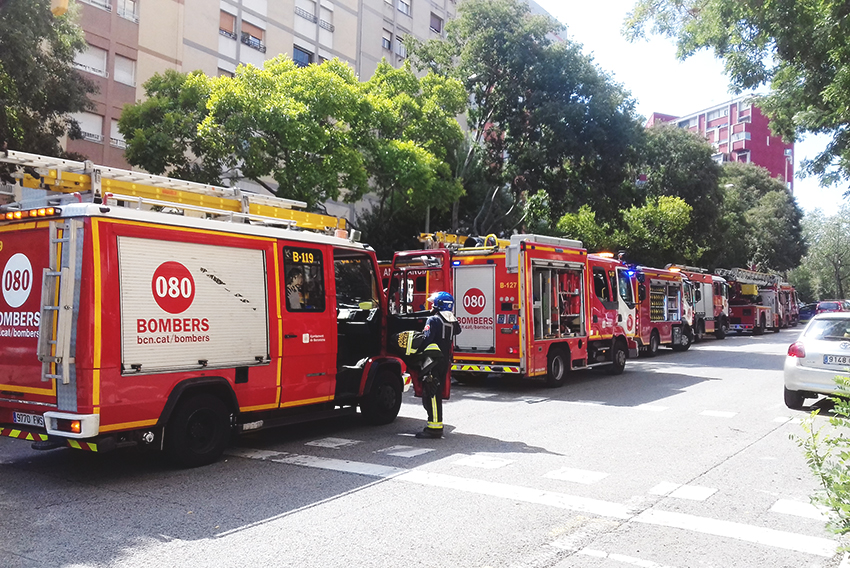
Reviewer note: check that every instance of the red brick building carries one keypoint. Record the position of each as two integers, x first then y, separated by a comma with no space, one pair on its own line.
739,132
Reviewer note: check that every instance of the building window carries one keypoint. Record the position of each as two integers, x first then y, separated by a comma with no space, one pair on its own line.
252,36
404,7
227,25
92,60
717,113
400,50
129,10
387,40
102,4
225,73
301,57
125,70
326,19
436,23
116,139
91,126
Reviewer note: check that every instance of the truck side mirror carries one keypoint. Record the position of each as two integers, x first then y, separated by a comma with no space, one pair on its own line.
641,292
697,295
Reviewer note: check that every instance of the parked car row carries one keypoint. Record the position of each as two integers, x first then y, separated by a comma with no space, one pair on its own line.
807,311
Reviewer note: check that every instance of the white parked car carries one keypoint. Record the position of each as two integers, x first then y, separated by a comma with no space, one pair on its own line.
820,354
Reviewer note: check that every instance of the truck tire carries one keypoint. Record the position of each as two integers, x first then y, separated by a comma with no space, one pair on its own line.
382,403
198,431
557,365
721,331
687,340
759,329
619,354
654,344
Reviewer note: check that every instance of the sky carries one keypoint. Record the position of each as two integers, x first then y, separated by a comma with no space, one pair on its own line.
661,83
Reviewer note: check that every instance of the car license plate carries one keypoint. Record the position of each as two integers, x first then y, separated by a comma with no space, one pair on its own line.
836,359
28,419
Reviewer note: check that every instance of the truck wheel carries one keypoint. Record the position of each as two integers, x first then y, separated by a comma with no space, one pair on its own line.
381,404
198,431
720,332
654,344
794,399
618,357
556,367
687,339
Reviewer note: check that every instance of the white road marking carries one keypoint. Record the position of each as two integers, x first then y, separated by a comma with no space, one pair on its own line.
479,394
484,462
693,492
631,560
799,509
333,443
576,475
651,407
718,413
748,533
665,488
404,451
739,531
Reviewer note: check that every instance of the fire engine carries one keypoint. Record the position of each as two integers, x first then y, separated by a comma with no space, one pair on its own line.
789,305
144,310
753,300
710,301
538,306
663,300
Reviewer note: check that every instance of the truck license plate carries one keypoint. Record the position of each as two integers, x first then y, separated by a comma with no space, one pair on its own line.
28,419
836,359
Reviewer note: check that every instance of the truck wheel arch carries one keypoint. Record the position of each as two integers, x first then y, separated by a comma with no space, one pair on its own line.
218,386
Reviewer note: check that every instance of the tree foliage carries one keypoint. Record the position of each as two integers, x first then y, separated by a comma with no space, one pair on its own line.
39,87
657,232
798,48
317,131
825,270
761,220
542,115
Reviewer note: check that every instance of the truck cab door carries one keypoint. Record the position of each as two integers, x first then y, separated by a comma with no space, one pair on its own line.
627,308
414,276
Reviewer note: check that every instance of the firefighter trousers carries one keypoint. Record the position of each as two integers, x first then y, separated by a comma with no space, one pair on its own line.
432,400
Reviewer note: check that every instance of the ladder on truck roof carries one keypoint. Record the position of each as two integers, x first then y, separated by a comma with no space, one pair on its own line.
747,276
125,187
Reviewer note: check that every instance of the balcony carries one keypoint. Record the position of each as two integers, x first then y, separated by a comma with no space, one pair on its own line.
227,33
92,137
306,15
253,42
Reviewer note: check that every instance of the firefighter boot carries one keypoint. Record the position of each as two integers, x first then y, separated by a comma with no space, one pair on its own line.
430,433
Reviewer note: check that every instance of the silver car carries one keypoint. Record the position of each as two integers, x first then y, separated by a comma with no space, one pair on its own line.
820,354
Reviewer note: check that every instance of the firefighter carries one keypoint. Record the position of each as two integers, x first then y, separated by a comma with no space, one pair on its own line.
294,292
439,331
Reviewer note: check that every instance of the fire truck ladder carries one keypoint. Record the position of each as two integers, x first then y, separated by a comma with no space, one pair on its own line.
747,276
57,303
119,187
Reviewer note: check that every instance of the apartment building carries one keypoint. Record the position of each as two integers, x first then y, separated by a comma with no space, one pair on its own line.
131,40
739,132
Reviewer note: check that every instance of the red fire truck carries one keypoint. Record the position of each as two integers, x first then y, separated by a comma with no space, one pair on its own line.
709,299
123,324
753,300
789,305
663,301
539,307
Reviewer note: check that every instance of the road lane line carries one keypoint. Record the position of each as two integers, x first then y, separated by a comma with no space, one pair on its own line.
739,531
576,475
799,509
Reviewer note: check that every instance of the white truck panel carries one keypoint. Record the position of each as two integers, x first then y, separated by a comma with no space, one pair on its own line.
186,306
475,307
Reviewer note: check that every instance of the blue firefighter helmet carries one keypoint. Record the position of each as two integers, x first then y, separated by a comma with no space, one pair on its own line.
443,301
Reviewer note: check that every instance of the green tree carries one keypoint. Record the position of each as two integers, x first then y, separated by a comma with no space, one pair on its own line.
826,267
542,115
39,87
317,131
657,232
799,49
583,225
763,219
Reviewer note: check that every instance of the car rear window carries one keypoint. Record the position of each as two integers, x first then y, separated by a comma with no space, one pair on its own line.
828,306
829,329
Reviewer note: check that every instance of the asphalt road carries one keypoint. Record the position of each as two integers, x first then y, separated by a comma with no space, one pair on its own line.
684,460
